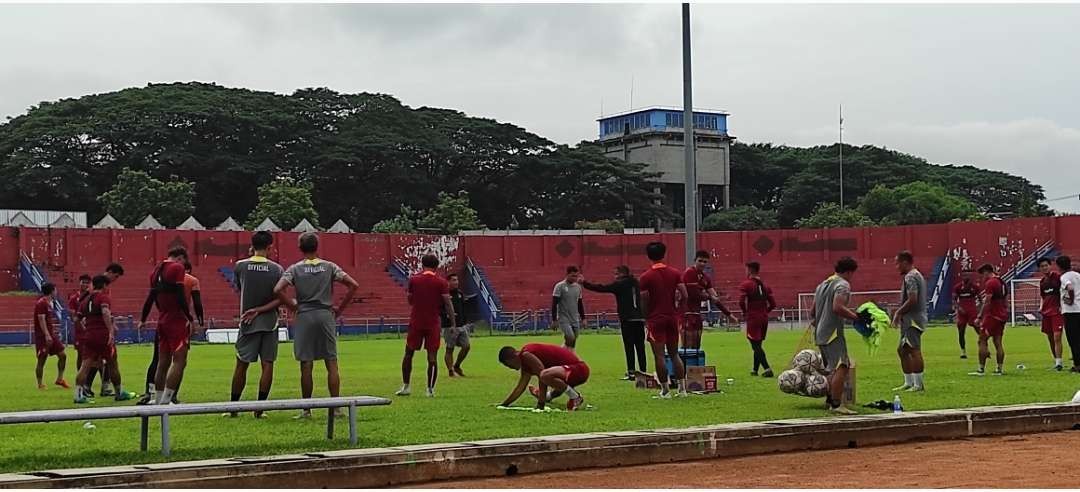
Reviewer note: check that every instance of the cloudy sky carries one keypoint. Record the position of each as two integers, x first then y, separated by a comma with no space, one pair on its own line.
995,86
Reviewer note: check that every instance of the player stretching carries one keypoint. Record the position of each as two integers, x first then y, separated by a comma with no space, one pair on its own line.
428,295
992,316
99,342
1070,306
567,309
315,327
455,332
173,328
964,299
910,317
827,315
756,302
258,341
554,367
699,289
47,338
1053,323
661,290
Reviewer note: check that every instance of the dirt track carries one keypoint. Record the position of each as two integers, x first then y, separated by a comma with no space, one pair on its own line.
1028,461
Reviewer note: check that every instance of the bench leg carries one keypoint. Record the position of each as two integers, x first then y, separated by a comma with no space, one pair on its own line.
144,434
165,448
352,424
330,423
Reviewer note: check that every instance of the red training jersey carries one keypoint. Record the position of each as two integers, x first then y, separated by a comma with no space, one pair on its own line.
43,306
91,310
697,289
660,282
551,355
966,293
172,272
426,291
994,289
1050,288
757,298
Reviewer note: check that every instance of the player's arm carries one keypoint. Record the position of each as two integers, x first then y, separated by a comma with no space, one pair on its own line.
196,300
770,300
151,298
840,308
106,316
744,297
42,325
608,288
352,286
813,314
956,301
555,308
1070,293
254,312
527,367
680,293
912,292
448,305
279,293
530,364
644,303
581,308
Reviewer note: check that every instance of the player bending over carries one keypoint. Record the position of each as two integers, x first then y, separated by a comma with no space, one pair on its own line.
556,368
47,338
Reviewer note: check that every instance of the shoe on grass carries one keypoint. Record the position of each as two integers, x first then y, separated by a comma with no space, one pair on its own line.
62,383
125,396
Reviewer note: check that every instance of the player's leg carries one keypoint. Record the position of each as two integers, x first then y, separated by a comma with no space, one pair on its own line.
152,385
61,366
266,380
239,381
81,379
662,376
556,379
628,347
333,377
161,373
677,365
761,347
696,326
175,374
465,345
406,371
307,386
1072,335
984,351
961,332
448,359
569,336
39,370
431,342
1057,350
999,353
112,366
902,353
639,345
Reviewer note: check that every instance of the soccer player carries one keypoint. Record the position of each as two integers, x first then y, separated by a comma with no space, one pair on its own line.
315,327
1053,323
73,302
662,289
256,277
965,295
756,302
174,326
554,367
428,295
456,334
1070,307
567,309
911,318
992,316
47,338
699,289
99,342
631,323
827,315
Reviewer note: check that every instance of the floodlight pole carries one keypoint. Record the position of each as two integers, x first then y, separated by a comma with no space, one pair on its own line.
690,187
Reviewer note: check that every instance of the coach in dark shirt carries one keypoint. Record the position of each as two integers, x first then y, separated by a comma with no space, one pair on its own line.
631,321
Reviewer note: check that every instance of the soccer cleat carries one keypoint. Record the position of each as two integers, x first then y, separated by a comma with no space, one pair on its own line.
145,400
627,377
963,356
999,372
106,390
663,395
125,396
304,415
404,391
767,374
842,410
41,386
979,373
575,403
82,400
904,387
1058,368
430,392
63,384
457,370
682,394
88,392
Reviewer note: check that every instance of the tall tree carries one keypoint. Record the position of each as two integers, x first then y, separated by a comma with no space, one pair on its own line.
136,195
915,203
285,202
831,215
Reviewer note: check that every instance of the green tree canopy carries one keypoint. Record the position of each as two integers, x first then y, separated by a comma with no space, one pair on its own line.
450,215
915,203
402,223
831,215
136,195
742,218
613,226
286,203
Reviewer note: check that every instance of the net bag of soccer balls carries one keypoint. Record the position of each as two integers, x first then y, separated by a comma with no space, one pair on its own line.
806,376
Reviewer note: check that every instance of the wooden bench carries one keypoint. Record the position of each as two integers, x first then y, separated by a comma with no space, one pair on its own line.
165,411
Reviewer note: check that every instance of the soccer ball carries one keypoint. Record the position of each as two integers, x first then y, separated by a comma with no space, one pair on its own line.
791,381
807,361
817,385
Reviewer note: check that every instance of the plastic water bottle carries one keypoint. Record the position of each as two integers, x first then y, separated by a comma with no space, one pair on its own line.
896,406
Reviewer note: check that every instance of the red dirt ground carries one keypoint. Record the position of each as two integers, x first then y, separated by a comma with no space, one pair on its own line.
1026,461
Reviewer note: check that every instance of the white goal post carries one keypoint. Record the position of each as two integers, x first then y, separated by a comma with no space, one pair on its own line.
885,299
1025,300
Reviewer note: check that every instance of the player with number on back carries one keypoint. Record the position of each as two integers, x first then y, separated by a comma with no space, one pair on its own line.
662,289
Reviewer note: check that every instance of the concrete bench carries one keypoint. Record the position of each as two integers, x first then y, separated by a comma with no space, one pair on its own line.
165,411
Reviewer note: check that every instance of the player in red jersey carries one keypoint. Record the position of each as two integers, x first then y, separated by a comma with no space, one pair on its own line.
992,316
73,310
699,289
756,302
554,367
662,289
964,297
1053,323
174,324
429,295
47,338
99,342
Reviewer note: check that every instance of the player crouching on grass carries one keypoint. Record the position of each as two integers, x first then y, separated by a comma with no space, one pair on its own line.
47,338
555,367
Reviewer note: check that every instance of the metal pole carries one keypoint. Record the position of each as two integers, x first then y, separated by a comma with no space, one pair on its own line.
690,188
841,156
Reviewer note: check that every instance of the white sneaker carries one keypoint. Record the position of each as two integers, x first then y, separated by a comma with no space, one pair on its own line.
915,389
404,391
905,387
304,415
682,394
977,373
431,392
663,396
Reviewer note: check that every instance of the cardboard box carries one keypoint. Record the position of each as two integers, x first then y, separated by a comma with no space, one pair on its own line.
701,379
645,381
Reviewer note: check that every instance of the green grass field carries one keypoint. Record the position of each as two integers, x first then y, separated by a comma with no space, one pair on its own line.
464,408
